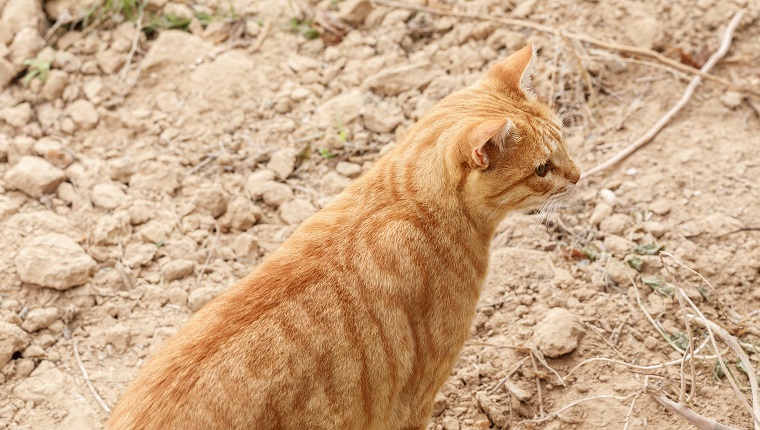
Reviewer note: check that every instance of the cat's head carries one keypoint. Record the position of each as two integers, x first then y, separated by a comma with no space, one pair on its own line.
505,148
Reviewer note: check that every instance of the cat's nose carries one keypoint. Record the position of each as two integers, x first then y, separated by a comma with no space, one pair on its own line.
573,175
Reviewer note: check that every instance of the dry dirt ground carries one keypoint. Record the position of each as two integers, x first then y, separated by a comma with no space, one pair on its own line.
143,174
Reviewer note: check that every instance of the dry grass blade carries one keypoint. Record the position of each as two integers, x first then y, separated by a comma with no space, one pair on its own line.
649,135
684,412
87,378
734,345
578,402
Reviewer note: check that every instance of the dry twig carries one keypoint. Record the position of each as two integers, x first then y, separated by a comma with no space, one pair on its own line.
135,42
648,136
87,378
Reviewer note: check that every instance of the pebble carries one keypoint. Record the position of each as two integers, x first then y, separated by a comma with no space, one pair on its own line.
558,333
273,193
12,339
54,261
296,211
492,411
334,183
350,170
660,206
27,42
200,297
257,178
439,404
83,113
45,383
121,169
111,230
620,274
177,269
108,196
650,342
155,231
34,176
392,81
601,211
450,423
618,245
177,296
54,84
139,254
40,318
241,214
656,228
7,73
282,163
383,118
354,11
732,99
210,199
608,196
615,224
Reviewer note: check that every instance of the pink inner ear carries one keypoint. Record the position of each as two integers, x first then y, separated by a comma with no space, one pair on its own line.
480,157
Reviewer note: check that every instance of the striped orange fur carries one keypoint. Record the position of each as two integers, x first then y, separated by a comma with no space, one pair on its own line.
358,319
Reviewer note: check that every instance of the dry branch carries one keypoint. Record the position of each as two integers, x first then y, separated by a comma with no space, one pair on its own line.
646,138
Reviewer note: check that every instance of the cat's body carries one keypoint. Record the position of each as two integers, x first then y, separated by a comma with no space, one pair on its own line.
357,320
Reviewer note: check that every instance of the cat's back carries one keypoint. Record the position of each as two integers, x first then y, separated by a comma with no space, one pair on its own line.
281,345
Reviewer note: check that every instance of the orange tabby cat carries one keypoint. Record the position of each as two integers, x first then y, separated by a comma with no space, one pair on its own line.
357,320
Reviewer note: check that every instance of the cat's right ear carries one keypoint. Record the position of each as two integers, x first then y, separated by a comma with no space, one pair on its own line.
486,137
515,72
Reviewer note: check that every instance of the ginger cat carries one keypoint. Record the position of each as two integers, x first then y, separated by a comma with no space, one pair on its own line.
358,319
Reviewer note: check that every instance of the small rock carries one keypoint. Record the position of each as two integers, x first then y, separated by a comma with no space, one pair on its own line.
211,199
450,423
12,339
200,297
44,384
34,176
17,116
345,107
614,224
83,113
439,405
296,211
382,118
257,178
282,163
7,73
347,169
660,206
121,169
646,32
27,42
558,333
650,342
37,319
156,176
54,261
519,392
54,84
139,254
334,183
110,230
732,99
273,193
155,231
108,196
601,211
118,336
177,296
57,9
618,245
488,406
523,9
241,214
620,274
177,269
393,81
656,228
608,196
354,11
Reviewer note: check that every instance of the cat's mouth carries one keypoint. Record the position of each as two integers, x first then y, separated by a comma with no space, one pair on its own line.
563,193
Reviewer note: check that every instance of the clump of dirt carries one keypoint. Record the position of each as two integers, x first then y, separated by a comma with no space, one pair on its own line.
144,170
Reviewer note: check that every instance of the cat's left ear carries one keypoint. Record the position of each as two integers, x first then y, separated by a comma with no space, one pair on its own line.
488,136
515,72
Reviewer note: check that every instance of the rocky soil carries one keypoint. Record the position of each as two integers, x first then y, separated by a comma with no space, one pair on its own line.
142,173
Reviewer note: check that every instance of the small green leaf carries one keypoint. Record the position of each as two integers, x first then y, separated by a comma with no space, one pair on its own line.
160,243
325,153
592,252
681,340
650,249
719,370
658,285
635,262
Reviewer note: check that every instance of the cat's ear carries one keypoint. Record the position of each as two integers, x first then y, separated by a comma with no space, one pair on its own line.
485,137
515,72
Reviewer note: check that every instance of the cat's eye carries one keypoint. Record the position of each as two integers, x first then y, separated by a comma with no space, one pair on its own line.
542,169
